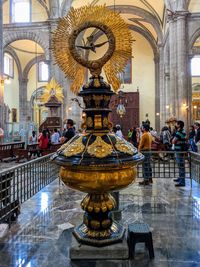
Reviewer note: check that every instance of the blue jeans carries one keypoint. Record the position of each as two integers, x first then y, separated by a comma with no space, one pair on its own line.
180,160
193,146
146,166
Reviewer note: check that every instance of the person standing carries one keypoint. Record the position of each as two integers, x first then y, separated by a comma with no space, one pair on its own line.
43,140
179,141
119,131
145,146
33,138
134,137
1,135
70,131
55,137
197,136
166,137
130,132
191,138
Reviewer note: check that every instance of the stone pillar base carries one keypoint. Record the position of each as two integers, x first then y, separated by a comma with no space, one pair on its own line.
118,251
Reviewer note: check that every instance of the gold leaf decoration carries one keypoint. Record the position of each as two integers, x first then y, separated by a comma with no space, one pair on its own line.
52,89
123,146
74,148
99,148
92,15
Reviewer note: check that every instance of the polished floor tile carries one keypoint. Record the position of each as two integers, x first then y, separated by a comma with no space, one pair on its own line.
41,236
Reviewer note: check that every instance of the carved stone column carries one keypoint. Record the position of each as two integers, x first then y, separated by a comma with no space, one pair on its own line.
190,108
167,99
54,9
173,67
161,85
23,109
65,7
182,62
157,93
1,67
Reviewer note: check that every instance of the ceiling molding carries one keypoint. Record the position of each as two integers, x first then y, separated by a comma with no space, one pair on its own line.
127,9
148,36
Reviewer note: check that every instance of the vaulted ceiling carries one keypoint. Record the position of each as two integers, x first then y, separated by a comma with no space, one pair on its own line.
144,16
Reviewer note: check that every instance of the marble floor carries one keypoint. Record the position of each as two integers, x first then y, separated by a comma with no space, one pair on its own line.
42,234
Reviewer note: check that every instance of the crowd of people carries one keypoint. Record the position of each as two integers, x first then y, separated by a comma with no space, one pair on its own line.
46,138
172,139
142,137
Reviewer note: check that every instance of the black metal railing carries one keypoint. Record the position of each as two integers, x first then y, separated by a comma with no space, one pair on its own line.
20,183
195,166
163,164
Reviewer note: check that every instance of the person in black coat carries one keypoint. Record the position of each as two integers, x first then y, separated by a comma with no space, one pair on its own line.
197,127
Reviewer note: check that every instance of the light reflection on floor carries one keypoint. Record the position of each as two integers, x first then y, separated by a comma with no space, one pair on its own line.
44,201
42,234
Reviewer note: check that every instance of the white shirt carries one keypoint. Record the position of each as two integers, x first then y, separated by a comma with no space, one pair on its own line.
119,133
55,138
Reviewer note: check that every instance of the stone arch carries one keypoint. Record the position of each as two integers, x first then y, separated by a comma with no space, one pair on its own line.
34,96
147,36
21,35
39,90
12,52
142,13
192,40
30,64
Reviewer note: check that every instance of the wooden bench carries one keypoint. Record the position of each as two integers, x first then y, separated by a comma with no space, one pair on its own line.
7,150
139,232
22,154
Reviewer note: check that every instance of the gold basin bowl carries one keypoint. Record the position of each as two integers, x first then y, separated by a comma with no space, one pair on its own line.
97,163
98,180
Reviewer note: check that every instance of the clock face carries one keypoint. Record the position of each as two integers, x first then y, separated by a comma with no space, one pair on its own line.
92,44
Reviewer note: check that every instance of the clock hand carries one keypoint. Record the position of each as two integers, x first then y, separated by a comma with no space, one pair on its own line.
84,47
99,45
92,47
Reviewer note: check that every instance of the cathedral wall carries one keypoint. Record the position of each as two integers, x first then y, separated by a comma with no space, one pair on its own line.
143,77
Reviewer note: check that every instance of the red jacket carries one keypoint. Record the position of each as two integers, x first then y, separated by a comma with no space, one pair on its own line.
43,142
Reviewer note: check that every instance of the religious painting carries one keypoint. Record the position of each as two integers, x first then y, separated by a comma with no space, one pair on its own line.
14,115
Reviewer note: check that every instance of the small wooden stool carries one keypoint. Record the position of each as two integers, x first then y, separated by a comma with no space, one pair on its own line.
140,232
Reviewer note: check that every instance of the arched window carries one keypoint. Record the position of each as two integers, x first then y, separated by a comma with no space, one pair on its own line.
43,72
195,66
8,65
21,11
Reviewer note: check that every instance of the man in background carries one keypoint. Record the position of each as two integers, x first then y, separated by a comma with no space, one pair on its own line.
1,135
179,141
70,131
145,147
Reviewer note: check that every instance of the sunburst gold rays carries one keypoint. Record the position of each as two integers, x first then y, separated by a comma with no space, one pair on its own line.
52,89
74,20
